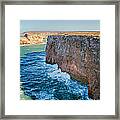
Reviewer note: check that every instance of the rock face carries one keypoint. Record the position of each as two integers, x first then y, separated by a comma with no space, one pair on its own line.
29,38
79,56
32,38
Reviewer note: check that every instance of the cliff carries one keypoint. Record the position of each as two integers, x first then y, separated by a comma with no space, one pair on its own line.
79,56
32,38
36,37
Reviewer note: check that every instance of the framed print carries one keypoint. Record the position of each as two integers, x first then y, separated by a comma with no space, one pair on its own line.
60,59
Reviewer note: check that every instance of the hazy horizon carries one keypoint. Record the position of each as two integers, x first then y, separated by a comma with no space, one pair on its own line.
59,26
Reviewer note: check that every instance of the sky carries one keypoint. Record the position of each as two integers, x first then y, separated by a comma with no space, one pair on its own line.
59,25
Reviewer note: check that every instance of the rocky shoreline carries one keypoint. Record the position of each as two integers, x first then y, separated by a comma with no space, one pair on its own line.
79,56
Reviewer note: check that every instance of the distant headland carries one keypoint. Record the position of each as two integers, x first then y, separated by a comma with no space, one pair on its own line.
40,37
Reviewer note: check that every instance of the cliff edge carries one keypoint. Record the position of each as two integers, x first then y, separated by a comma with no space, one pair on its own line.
79,56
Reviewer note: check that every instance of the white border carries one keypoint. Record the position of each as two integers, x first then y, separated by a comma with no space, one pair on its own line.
104,13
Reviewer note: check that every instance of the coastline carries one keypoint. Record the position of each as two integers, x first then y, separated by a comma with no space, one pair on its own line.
32,44
23,96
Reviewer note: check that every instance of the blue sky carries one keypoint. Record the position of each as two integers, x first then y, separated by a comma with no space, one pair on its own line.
59,25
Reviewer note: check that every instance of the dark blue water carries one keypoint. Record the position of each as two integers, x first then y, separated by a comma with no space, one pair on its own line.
41,81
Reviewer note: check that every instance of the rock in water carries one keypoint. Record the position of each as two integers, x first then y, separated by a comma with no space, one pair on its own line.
79,56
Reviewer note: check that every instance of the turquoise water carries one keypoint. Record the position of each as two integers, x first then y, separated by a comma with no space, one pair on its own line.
41,81
31,48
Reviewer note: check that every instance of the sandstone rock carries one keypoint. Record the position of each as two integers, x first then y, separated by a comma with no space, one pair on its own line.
36,37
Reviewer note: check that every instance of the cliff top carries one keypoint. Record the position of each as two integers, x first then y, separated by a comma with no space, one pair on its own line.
88,33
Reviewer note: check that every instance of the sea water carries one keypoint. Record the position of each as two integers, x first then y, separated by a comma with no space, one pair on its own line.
41,81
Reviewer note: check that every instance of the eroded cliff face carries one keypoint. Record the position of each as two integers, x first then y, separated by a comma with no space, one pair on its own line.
32,38
79,56
29,38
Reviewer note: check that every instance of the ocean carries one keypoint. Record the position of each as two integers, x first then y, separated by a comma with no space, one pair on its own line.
41,81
